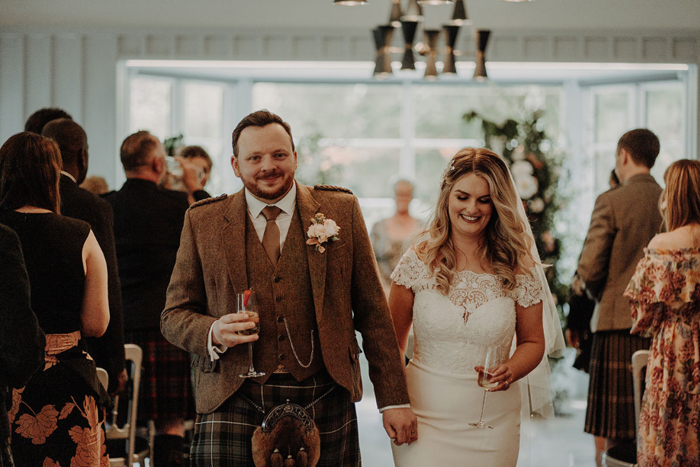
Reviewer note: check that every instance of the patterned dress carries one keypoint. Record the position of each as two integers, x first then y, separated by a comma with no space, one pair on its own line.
664,296
452,335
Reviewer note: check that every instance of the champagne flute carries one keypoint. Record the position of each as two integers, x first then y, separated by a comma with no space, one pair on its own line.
489,362
246,303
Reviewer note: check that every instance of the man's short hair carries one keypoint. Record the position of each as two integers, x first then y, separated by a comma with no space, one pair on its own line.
259,118
69,136
642,144
136,149
192,152
38,120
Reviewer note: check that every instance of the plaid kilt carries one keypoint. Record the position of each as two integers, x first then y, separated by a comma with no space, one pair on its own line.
166,390
610,411
223,438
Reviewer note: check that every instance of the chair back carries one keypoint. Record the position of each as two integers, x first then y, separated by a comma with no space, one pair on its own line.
639,365
127,431
103,376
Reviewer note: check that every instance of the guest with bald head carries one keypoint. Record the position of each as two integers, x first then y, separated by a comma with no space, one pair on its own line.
148,220
107,350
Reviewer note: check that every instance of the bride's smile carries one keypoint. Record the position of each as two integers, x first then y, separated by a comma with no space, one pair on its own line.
470,206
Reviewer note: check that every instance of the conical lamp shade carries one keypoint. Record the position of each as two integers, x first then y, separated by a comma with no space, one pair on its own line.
451,32
409,34
482,39
431,40
459,14
396,14
414,12
382,41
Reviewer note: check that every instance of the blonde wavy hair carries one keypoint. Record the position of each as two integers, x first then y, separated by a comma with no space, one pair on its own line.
506,245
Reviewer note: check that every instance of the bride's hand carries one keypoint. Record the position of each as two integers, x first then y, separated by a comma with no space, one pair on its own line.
503,375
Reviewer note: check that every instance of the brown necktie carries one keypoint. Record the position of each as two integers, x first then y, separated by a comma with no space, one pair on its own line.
271,237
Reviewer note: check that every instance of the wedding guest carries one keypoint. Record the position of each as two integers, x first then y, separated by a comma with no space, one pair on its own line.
313,295
664,294
95,184
199,157
189,173
390,235
470,285
108,349
148,220
36,121
623,221
21,339
60,412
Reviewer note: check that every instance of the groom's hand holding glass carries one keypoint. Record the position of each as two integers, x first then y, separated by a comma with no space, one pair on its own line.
226,329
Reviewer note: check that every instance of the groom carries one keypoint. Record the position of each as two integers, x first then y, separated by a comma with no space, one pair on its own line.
312,297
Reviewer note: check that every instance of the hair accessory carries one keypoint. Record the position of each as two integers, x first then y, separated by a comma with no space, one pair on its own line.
450,167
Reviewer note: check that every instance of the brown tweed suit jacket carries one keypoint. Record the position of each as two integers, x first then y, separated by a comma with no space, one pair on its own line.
347,296
623,222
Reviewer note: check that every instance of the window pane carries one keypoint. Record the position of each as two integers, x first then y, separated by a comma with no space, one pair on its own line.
611,116
665,115
430,163
334,110
439,109
203,110
669,152
149,106
604,164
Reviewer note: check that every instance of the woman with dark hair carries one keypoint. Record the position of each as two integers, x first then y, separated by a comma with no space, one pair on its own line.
471,285
56,419
664,294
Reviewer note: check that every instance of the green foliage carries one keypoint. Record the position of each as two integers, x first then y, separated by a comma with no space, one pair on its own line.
536,167
172,143
314,166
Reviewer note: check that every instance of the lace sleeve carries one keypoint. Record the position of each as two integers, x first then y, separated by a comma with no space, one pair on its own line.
528,289
409,270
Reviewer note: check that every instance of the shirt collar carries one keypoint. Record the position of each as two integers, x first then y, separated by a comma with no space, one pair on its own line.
286,204
68,175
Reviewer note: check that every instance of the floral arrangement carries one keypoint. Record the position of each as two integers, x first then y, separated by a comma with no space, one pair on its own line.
536,169
321,231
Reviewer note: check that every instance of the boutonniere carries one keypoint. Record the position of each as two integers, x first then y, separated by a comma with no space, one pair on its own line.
321,231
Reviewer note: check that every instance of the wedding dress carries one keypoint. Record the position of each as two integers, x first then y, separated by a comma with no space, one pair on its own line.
451,336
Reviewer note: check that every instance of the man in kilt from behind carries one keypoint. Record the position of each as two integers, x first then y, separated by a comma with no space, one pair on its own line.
306,254
623,222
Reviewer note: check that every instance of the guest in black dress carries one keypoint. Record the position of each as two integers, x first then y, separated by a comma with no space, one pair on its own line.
57,418
21,339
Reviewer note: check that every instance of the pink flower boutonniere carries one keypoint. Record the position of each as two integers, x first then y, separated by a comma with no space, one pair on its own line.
321,231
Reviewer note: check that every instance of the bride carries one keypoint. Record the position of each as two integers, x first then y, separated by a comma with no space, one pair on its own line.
472,282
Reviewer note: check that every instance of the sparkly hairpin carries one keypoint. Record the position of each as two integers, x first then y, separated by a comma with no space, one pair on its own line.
450,167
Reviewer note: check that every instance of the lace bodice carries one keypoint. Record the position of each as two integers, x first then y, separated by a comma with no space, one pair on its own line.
452,332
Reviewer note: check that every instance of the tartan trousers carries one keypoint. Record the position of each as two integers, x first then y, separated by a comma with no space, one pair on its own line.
223,437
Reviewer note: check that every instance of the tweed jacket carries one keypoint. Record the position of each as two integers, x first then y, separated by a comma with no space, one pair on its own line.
347,296
623,222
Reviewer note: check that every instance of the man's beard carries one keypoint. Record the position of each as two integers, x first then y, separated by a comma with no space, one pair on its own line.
273,195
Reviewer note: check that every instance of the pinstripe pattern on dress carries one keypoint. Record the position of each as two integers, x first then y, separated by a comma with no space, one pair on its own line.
610,411
223,438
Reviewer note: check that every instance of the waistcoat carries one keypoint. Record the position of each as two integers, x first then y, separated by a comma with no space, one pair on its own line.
286,306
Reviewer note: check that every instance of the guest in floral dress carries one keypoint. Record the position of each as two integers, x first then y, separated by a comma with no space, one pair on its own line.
664,295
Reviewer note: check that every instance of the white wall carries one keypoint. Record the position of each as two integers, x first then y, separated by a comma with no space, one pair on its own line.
77,69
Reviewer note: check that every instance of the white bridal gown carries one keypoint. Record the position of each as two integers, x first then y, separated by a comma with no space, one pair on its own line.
451,335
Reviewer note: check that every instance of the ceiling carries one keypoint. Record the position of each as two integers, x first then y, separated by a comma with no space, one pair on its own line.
304,14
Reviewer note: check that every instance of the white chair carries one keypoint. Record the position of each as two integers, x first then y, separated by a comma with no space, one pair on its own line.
123,446
103,376
626,455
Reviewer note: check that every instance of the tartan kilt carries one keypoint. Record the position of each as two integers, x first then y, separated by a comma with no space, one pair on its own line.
223,438
610,411
166,390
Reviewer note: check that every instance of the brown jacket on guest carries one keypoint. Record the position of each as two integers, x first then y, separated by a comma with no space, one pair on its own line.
219,257
623,222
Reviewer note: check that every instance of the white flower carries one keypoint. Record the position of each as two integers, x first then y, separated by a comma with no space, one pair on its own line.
518,153
521,168
537,205
321,231
526,186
